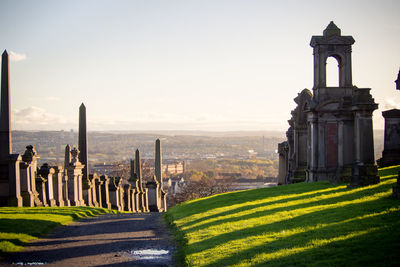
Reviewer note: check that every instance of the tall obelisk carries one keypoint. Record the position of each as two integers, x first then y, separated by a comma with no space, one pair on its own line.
158,162
82,141
5,122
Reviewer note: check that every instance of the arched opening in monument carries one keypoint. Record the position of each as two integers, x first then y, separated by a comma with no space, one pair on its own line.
332,72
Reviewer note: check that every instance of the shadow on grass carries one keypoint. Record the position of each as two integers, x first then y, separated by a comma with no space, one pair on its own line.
291,197
338,223
348,195
307,191
74,212
31,227
377,247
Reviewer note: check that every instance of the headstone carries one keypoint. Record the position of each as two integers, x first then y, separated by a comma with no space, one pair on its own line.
59,185
105,193
47,173
28,168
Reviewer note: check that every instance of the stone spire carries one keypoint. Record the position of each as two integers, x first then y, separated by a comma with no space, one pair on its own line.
158,163
5,122
82,139
331,29
398,81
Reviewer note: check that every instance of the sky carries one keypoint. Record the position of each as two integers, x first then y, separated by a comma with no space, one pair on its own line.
207,65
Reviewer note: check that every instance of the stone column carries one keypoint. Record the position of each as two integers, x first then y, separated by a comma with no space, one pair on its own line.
313,139
67,202
98,185
93,178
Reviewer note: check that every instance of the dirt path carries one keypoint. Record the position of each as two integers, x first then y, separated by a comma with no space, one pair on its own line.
107,240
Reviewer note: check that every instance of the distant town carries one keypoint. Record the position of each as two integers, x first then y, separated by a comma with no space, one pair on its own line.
232,155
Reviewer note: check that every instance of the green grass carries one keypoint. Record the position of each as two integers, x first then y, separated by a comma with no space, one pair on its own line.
19,226
299,224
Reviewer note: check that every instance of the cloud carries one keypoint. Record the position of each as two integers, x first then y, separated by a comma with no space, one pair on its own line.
16,57
36,118
391,103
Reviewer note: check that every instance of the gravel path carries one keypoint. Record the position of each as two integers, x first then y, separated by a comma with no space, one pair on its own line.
107,240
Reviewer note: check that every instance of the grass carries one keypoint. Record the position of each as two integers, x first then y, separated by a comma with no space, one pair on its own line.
19,226
299,224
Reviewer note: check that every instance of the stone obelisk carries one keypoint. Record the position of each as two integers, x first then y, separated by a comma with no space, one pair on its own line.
5,122
82,139
158,162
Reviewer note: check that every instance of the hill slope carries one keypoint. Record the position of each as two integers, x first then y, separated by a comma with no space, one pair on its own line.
299,224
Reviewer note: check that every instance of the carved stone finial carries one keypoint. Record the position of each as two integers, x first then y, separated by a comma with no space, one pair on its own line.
74,154
29,153
331,29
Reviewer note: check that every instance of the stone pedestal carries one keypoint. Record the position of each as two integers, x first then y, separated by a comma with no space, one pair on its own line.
391,150
75,186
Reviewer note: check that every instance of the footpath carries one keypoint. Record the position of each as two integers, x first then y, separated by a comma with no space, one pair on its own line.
107,240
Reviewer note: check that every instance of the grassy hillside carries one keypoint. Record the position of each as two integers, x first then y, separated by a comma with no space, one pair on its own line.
21,225
300,224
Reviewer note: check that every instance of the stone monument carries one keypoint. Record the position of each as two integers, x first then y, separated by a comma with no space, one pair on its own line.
10,187
391,149
83,145
341,145
338,145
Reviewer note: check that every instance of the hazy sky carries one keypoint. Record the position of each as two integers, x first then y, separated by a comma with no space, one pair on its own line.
185,65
